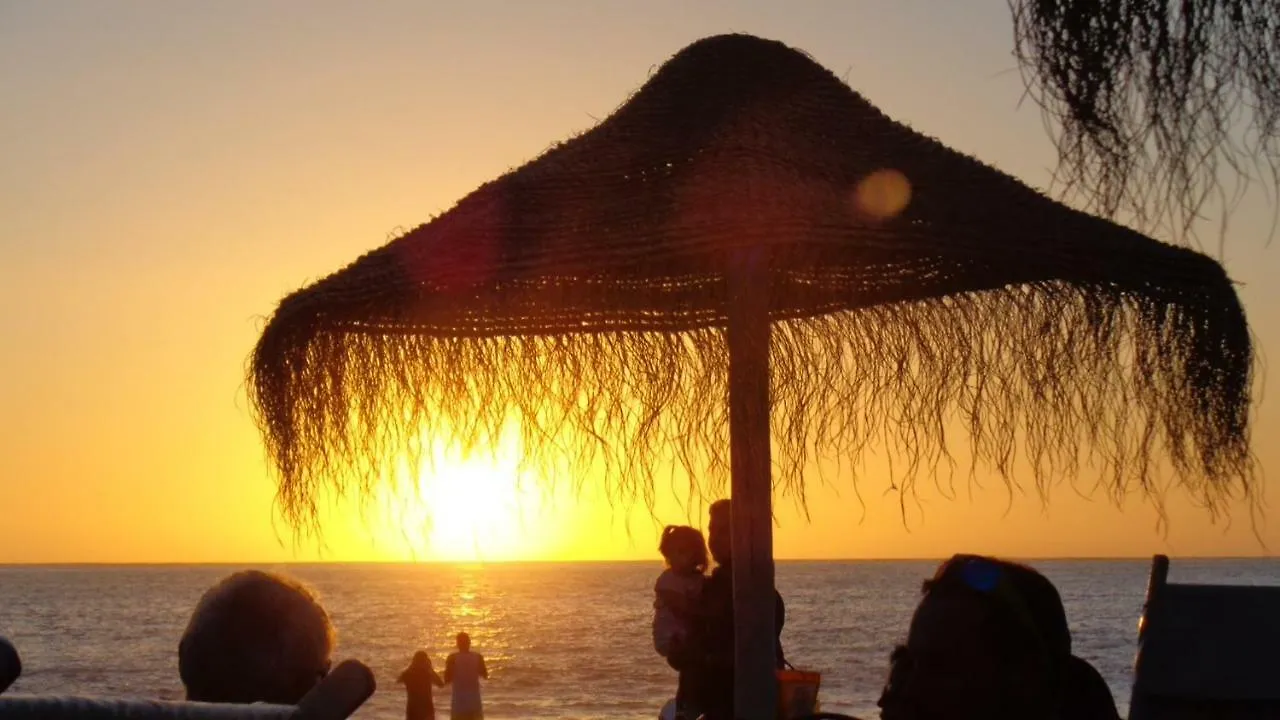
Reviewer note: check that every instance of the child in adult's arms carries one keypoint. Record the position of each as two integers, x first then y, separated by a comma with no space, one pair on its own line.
675,604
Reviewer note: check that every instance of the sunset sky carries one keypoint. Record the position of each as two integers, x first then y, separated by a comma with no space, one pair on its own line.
170,169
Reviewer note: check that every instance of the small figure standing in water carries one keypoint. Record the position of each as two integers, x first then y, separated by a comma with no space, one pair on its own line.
418,679
675,606
463,670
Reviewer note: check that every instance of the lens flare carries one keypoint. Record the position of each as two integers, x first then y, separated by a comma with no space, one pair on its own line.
882,195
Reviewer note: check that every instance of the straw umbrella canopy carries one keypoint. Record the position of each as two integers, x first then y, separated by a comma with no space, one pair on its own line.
745,267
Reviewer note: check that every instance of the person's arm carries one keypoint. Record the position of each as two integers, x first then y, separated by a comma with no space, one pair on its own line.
721,613
716,648
484,671
719,658
448,670
672,599
436,679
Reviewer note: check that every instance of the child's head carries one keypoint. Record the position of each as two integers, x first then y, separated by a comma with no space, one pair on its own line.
684,549
421,659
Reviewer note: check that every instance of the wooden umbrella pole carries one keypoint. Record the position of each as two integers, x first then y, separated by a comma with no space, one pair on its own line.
755,684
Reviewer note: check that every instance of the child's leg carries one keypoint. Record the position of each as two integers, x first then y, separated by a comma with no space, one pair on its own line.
689,695
682,697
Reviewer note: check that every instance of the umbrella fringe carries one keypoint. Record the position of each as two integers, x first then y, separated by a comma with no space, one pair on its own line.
1151,99
1043,379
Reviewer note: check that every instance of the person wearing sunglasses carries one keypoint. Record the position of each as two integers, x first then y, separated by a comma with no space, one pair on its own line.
989,639
255,637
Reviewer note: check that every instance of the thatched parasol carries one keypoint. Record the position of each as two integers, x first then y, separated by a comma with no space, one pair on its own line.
748,242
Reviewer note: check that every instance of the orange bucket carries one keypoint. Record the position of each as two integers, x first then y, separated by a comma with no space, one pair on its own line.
797,693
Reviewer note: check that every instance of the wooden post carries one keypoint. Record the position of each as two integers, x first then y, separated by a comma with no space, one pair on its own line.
1155,587
1139,706
755,684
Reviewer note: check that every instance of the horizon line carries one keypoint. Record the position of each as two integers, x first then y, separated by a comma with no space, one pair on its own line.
630,561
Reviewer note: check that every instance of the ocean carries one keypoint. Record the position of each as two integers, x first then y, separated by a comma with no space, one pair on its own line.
561,641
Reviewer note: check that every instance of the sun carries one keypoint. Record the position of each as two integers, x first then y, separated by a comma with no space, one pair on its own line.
474,509
465,508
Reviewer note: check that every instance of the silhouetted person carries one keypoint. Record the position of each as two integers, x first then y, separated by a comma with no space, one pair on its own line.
989,640
255,637
709,652
418,680
463,670
677,594
10,664
1086,696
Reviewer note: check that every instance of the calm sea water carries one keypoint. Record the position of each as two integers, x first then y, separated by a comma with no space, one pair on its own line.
561,641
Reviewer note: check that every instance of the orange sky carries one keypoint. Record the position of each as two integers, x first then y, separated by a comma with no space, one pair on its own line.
172,169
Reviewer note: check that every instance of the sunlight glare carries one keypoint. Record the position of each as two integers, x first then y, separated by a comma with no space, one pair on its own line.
465,508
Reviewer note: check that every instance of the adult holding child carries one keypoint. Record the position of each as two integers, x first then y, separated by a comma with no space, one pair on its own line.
708,653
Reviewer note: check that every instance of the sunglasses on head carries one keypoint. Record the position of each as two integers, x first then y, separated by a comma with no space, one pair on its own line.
989,579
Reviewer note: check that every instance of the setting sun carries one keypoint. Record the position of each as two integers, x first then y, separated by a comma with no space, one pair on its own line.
463,508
